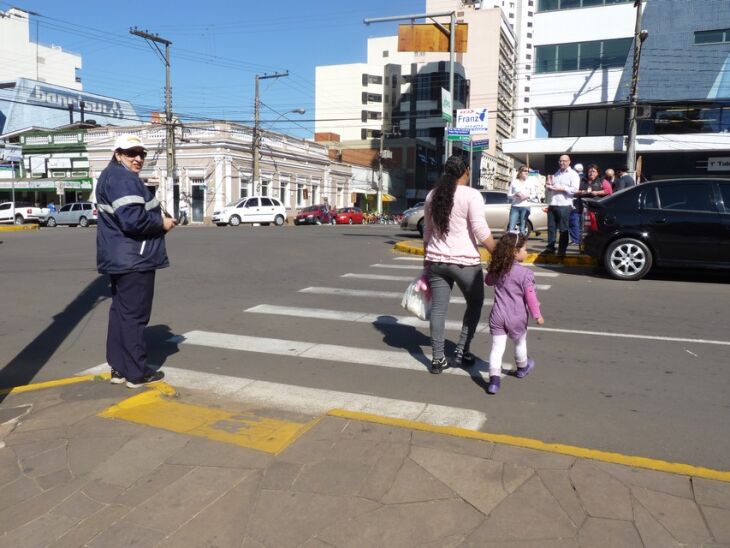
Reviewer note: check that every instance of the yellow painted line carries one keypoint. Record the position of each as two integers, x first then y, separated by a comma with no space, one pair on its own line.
153,408
529,443
18,228
52,384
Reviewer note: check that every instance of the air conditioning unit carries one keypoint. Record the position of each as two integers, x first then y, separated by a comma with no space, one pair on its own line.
643,112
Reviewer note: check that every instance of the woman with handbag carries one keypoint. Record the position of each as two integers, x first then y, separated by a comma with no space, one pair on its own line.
454,226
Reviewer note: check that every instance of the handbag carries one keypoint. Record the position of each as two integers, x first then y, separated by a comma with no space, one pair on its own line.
417,298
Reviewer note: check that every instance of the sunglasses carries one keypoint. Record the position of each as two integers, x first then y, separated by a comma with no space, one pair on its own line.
133,153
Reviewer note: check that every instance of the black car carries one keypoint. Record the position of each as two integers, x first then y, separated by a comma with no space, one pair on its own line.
669,223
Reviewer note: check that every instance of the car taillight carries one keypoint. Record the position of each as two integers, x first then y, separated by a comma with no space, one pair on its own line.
590,224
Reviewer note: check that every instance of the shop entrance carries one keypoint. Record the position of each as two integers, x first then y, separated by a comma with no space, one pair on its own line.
198,203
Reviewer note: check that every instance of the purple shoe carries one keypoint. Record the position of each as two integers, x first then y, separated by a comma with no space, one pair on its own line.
494,382
522,372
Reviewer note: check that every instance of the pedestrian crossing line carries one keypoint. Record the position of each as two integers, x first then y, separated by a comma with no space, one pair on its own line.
381,277
316,401
393,359
411,267
372,294
356,317
409,259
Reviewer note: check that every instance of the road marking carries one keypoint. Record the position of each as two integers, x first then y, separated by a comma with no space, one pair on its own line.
395,359
317,401
543,274
370,294
382,277
360,317
398,266
152,408
48,384
409,259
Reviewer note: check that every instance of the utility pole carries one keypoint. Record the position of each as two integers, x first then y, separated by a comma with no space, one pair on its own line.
639,37
169,186
257,130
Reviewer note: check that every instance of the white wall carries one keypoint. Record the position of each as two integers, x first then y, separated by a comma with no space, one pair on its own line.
584,24
18,55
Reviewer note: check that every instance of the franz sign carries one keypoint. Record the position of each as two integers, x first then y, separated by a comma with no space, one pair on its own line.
472,119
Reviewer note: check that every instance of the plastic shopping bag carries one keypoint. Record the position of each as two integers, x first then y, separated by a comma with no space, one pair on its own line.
417,298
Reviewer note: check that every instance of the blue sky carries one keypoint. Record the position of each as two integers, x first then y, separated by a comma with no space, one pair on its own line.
217,49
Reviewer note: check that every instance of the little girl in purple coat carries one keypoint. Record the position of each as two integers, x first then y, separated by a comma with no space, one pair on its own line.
514,294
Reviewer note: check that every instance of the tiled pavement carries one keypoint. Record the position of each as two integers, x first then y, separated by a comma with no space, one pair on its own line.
71,478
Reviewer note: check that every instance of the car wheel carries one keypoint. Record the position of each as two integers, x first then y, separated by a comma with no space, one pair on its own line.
279,220
420,227
318,221
19,220
235,220
51,222
627,259
530,229
83,222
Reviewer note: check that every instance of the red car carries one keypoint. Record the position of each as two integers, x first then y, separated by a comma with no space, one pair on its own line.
349,215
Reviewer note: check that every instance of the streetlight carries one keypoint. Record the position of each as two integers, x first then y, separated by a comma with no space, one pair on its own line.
640,37
283,114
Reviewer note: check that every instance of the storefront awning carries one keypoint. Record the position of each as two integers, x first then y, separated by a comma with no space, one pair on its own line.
47,184
388,197
365,191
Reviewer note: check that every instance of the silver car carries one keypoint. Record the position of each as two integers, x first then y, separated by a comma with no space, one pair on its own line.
496,212
77,213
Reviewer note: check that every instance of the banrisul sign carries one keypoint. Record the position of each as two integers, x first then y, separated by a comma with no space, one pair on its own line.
472,118
50,96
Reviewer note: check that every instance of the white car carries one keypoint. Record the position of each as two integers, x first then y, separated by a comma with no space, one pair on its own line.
253,209
23,213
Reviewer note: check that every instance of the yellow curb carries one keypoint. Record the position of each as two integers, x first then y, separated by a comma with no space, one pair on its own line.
244,429
52,384
18,228
529,443
415,247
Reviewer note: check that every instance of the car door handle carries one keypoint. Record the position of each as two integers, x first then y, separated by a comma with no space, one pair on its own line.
655,222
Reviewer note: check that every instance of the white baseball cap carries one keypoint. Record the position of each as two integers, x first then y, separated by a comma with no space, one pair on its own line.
127,141
578,167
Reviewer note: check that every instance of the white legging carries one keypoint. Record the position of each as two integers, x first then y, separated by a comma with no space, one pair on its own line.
499,343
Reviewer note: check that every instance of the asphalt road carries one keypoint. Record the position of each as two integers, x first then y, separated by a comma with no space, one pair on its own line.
633,393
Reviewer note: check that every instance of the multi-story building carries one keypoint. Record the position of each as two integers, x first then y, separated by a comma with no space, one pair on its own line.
22,58
581,85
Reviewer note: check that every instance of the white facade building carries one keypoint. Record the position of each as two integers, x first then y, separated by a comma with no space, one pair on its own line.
22,58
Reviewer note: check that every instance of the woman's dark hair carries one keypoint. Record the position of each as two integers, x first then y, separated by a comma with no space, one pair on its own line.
442,200
593,166
503,256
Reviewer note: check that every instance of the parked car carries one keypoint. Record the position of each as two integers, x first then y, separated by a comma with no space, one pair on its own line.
24,213
670,223
496,212
77,213
314,215
253,209
349,215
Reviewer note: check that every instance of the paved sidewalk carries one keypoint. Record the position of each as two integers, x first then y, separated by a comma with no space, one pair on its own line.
72,478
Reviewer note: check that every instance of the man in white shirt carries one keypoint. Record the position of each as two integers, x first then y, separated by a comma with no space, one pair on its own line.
561,188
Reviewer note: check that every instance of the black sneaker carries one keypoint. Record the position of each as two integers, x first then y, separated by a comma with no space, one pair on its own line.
438,365
117,377
155,376
463,359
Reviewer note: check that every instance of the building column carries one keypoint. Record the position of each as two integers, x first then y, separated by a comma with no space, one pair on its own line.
218,182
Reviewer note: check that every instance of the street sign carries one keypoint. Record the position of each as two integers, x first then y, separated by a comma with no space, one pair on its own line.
474,119
446,105
476,146
457,134
13,153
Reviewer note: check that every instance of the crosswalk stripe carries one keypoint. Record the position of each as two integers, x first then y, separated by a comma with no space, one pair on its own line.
411,267
382,277
371,294
357,317
394,359
408,259
316,401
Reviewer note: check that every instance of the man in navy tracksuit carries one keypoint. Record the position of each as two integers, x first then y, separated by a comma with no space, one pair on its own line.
130,247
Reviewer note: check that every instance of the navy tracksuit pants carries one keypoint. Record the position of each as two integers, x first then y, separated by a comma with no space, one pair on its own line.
126,351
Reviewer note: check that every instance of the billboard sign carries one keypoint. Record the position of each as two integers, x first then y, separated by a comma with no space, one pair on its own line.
472,119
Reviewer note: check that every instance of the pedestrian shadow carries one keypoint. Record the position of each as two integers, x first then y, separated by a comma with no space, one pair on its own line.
22,368
404,337
160,345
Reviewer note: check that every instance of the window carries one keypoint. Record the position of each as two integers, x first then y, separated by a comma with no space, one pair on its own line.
596,122
245,186
64,208
265,185
687,197
76,207
725,193
578,121
252,202
525,131
284,190
265,202
529,24
719,36
300,194
370,115
582,55
553,5
385,53
650,199
374,98
527,88
371,79
86,206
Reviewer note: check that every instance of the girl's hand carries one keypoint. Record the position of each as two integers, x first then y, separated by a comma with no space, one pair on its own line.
540,320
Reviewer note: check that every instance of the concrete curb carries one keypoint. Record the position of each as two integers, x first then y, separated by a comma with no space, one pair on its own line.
415,247
18,228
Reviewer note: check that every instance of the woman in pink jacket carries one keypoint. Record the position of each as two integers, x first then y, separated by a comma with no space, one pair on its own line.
454,228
